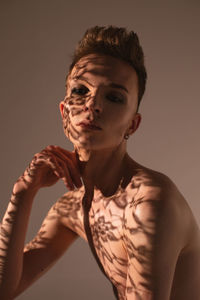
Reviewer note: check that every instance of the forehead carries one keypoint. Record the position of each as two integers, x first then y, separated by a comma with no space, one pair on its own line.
107,68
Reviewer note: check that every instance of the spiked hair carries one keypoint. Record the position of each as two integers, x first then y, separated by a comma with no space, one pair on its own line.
117,42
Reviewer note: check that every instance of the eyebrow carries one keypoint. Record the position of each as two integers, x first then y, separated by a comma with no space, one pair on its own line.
112,84
118,86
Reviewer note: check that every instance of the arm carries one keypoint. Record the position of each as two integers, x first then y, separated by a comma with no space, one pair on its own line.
153,238
16,269
12,236
40,254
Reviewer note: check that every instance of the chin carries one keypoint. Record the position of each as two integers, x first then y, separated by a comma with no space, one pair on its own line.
94,145
94,142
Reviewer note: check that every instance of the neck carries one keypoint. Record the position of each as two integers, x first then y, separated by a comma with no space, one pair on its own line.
103,169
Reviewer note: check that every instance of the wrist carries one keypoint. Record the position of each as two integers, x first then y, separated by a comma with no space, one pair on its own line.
23,187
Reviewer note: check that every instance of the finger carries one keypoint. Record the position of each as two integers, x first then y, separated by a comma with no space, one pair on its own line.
55,167
68,177
43,157
72,155
72,170
46,157
63,171
74,174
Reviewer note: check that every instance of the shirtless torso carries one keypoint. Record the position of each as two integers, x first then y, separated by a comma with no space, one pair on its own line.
141,231
107,218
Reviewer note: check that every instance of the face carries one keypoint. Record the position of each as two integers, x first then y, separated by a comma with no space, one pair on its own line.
101,102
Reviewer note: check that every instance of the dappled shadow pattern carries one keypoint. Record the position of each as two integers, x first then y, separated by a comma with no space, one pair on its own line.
74,104
121,240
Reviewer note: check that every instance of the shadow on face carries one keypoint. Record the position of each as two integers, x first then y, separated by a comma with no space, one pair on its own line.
101,91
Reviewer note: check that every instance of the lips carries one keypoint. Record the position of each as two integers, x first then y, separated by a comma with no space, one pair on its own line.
89,125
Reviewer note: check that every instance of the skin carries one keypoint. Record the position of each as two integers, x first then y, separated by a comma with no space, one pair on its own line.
107,170
142,228
102,105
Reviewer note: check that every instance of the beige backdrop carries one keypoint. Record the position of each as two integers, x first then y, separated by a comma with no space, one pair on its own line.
37,38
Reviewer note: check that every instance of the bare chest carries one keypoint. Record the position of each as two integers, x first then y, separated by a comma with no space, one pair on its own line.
107,228
106,219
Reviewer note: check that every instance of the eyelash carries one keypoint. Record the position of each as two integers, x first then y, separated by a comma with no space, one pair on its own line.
76,89
111,97
83,90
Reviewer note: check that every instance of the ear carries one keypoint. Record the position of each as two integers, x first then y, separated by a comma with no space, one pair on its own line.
61,106
134,123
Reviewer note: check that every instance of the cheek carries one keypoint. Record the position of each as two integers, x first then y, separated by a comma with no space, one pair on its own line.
70,111
65,116
118,122
73,106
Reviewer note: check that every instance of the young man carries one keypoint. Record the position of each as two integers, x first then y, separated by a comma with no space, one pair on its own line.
139,227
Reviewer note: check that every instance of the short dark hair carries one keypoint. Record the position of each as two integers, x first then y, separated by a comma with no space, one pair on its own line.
117,42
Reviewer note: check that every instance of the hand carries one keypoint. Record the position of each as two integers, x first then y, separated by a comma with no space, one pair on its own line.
51,164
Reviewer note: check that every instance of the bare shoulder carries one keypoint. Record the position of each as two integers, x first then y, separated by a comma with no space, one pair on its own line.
69,204
154,195
156,186
68,209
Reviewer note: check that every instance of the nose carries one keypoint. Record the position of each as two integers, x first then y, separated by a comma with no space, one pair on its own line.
93,104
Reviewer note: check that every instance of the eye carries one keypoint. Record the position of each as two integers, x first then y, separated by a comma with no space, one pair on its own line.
82,90
115,98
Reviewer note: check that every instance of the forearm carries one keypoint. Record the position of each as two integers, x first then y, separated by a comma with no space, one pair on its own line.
12,237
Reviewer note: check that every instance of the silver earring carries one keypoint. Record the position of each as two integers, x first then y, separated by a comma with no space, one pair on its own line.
126,136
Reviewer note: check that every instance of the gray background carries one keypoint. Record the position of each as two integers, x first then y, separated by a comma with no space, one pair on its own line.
37,39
